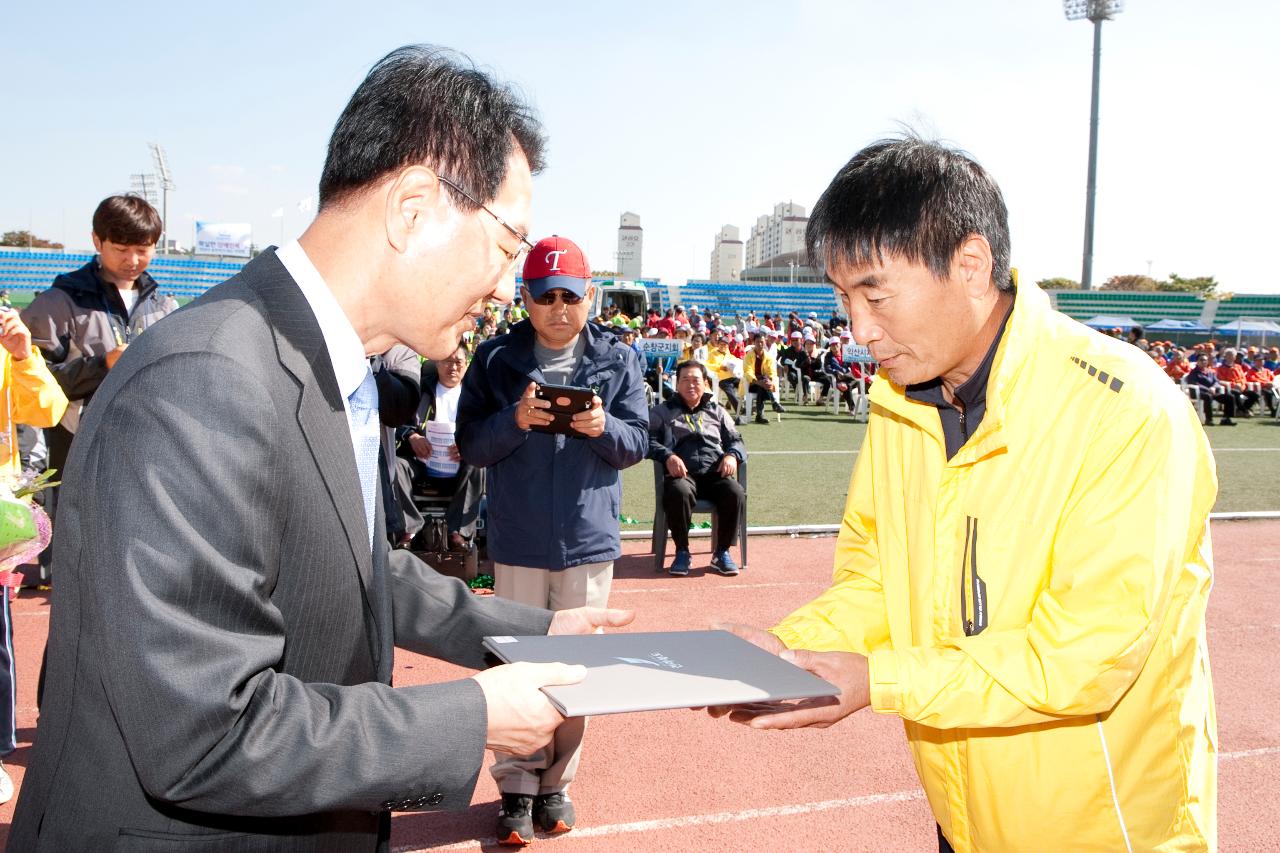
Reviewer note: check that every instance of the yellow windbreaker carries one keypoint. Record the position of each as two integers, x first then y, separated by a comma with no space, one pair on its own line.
1081,717
770,368
31,396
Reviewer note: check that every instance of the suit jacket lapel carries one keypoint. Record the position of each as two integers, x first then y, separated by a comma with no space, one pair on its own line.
321,416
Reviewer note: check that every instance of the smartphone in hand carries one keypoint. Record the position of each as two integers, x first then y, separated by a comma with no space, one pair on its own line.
566,401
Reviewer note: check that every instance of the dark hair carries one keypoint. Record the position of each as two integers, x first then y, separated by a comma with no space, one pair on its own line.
429,105
909,197
128,220
684,365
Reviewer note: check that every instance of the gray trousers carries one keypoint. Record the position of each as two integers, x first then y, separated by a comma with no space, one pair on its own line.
551,768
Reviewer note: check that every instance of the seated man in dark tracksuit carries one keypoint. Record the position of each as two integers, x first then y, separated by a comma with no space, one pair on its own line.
1210,389
694,437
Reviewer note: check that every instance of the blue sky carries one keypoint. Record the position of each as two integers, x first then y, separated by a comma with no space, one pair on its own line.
691,114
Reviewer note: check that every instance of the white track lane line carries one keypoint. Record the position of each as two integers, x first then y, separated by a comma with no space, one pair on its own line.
804,453
1249,753
708,819
757,814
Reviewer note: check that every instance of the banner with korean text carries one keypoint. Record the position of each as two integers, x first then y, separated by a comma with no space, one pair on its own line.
231,239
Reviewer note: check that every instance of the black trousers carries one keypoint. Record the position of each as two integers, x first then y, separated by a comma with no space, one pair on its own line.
679,496
849,382
730,389
1245,400
1269,397
822,379
8,684
1228,402
763,395
944,846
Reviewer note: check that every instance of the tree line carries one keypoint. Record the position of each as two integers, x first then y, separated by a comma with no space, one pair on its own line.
1204,286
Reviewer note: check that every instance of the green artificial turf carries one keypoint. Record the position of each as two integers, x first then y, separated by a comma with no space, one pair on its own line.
809,487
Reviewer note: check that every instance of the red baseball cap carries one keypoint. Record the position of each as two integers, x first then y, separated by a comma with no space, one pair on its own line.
556,263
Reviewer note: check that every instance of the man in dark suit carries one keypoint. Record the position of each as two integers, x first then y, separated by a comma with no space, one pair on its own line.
222,637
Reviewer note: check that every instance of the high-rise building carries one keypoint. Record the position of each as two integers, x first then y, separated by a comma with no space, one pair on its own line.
780,233
726,257
630,245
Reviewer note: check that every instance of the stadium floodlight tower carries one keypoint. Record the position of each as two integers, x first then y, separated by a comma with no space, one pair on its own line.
1096,11
166,184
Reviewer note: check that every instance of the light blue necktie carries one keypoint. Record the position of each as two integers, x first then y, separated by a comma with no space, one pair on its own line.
366,436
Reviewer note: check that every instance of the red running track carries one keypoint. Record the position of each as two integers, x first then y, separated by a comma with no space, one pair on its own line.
678,780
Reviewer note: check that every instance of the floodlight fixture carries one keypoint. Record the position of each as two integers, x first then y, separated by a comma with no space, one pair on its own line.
1096,11
144,186
166,184
1093,10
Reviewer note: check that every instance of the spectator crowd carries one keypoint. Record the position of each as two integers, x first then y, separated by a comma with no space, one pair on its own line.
1221,379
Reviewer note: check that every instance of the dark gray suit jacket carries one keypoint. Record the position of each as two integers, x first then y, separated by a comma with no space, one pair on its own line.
220,648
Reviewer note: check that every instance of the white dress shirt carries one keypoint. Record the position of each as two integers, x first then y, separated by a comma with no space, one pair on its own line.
346,352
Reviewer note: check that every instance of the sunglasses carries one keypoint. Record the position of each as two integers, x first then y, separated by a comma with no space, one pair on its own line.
549,298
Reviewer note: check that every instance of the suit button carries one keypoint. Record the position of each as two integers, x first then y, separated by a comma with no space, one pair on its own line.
435,799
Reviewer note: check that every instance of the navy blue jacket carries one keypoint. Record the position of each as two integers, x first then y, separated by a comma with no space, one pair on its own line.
553,499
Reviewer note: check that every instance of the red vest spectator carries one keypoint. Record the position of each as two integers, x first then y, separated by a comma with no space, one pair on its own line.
1260,374
1231,375
1178,369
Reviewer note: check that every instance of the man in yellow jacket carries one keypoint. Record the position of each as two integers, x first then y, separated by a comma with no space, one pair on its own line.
28,395
1023,565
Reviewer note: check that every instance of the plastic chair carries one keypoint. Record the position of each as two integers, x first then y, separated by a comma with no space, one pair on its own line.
835,398
658,541
749,405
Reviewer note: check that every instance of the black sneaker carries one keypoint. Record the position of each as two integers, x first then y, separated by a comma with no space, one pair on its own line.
515,820
777,407
1225,422
554,812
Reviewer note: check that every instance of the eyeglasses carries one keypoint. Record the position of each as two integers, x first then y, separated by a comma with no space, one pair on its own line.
549,298
512,257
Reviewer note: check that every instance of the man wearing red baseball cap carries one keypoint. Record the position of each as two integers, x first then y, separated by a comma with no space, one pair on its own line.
553,498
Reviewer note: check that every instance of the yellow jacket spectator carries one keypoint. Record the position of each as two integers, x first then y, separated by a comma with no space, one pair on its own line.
757,366
31,395
726,369
760,371
721,362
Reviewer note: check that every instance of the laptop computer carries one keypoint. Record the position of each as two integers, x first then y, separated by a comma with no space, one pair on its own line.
660,670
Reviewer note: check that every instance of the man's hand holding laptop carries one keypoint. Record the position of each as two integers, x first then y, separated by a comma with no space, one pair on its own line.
846,670
521,718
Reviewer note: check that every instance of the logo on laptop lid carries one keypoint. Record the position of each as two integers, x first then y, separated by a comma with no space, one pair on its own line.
657,659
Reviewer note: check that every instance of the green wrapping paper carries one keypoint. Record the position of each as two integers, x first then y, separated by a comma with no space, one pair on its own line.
16,522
